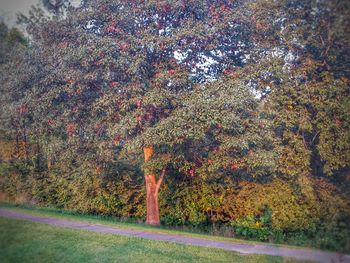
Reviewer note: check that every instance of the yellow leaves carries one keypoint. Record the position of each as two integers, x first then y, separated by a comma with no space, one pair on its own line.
257,225
309,62
345,80
277,195
261,25
290,210
6,150
306,186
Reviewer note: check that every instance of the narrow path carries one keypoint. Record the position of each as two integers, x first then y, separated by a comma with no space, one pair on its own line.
301,254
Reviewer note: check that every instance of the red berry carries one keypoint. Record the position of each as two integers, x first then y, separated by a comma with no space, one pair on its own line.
114,84
161,45
22,109
70,128
149,116
337,121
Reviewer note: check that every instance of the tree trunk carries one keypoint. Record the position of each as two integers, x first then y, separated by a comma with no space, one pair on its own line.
38,156
152,189
25,141
49,162
152,200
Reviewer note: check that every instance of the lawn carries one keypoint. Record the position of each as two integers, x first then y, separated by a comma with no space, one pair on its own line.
25,241
115,222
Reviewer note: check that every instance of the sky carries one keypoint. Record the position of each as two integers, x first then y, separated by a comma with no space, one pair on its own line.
9,9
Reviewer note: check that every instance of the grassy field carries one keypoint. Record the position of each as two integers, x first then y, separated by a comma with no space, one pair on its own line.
25,241
112,221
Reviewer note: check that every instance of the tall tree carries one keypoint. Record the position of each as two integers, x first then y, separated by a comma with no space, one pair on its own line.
186,83
117,73
12,46
305,85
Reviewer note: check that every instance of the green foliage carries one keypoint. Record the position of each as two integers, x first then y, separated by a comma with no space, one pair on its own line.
278,212
264,126
10,38
254,227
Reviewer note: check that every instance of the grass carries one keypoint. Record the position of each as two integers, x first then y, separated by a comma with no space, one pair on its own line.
115,222
25,241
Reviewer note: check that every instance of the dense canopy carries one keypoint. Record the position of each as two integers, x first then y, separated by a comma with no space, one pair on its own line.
232,113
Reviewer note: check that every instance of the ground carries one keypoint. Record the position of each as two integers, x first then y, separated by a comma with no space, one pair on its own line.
25,241
21,241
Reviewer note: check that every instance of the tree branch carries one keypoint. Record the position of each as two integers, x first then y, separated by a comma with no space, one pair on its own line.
160,180
313,139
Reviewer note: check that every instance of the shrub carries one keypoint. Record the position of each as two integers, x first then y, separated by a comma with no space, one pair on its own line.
253,226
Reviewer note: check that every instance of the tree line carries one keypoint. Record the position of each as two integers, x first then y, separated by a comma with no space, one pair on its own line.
221,113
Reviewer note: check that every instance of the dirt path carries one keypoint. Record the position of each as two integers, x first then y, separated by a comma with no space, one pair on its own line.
301,254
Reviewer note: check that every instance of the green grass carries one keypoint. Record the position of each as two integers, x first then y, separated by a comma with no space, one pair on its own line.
115,222
25,241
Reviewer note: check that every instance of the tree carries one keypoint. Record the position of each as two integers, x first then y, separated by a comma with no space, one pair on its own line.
55,6
12,45
188,86
121,72
304,83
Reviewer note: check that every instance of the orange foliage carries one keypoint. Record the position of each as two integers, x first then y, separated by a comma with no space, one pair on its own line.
6,150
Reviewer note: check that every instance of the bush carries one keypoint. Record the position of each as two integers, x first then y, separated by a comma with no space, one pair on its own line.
269,211
254,227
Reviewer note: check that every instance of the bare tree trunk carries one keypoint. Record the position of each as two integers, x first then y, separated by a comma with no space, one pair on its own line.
152,189
152,200
49,163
